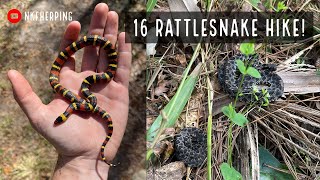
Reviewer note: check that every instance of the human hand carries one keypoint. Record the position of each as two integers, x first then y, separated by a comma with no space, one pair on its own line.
79,139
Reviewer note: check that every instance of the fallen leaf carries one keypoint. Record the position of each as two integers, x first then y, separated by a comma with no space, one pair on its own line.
161,89
7,170
192,116
182,59
172,171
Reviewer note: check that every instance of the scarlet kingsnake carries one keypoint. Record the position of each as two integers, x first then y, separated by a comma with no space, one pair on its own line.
90,101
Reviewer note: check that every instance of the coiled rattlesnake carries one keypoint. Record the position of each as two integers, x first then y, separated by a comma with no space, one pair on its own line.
229,78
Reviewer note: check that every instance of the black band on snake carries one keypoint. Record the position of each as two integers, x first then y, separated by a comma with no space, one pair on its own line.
90,101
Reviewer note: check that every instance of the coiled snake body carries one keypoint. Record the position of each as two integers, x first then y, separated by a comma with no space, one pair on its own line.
90,101
229,78
191,146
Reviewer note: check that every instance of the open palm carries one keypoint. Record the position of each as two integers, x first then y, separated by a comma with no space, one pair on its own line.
83,133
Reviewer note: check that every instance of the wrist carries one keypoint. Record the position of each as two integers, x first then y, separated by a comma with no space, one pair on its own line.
80,168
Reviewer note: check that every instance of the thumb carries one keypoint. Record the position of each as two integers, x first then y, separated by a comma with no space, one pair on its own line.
29,102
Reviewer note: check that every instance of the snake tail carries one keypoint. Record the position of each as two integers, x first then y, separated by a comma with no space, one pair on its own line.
107,118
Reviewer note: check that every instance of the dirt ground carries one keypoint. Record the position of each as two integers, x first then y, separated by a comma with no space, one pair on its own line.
30,47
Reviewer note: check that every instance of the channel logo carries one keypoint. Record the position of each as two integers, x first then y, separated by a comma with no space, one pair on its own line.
14,16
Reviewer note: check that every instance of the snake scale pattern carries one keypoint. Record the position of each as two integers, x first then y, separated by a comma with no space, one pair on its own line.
190,143
191,146
229,78
89,103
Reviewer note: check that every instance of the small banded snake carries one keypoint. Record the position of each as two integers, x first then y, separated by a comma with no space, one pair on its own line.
90,101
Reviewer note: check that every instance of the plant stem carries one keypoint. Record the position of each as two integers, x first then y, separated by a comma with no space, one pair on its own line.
149,153
239,90
248,109
209,125
230,149
230,143
231,123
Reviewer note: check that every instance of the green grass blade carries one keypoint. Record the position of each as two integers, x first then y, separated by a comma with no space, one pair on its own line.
176,105
151,4
254,3
209,128
208,4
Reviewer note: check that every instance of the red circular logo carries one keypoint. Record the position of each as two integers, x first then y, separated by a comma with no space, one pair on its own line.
14,15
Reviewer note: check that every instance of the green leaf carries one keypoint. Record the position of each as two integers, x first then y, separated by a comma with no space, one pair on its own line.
229,173
268,4
255,89
247,48
232,110
269,172
267,95
225,110
266,101
253,72
239,119
255,3
228,111
281,6
241,66
300,61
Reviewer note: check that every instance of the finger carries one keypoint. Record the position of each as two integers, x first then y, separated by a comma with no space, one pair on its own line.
29,102
110,32
124,61
98,22
71,34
